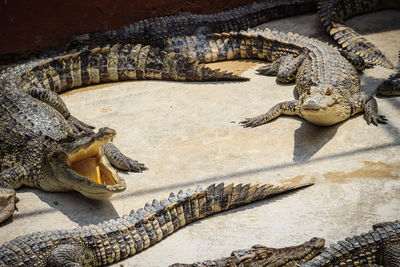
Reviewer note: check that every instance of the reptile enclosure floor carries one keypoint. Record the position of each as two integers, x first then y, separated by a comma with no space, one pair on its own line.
188,134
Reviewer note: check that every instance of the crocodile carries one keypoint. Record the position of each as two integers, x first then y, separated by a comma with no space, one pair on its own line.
117,239
391,86
155,31
379,247
44,146
328,85
259,255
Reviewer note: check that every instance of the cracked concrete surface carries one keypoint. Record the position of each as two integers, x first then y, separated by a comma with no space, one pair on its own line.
188,134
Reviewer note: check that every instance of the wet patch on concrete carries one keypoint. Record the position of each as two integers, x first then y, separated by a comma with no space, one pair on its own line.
370,170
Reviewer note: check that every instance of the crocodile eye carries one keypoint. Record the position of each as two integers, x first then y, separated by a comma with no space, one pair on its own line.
328,92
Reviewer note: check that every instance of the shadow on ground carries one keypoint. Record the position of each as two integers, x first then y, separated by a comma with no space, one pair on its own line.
75,206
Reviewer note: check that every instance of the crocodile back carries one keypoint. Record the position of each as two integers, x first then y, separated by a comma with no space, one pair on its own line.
24,117
324,66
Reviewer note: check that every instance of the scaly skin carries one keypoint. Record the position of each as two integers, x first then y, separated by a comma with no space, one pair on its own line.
327,84
334,12
264,256
44,146
391,86
380,247
114,240
154,31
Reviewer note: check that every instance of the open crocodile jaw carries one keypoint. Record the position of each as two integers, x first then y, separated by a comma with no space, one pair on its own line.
88,171
88,163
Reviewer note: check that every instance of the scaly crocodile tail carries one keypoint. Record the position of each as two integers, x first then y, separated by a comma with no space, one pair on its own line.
125,236
117,63
256,44
333,13
154,31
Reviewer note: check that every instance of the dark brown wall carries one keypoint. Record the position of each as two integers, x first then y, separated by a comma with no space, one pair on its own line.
27,25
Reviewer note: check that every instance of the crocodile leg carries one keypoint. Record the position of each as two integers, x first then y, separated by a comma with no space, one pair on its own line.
368,105
356,60
286,108
54,100
7,203
285,67
120,161
13,177
8,198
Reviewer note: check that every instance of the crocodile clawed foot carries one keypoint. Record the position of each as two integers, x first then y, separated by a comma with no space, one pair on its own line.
79,126
120,161
267,70
135,166
249,123
8,202
375,119
371,113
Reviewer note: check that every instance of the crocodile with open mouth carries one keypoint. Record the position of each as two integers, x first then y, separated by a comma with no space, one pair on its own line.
42,145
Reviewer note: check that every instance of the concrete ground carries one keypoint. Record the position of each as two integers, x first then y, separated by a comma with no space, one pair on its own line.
188,134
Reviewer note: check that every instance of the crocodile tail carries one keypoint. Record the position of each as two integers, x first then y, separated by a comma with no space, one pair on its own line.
254,44
114,240
160,218
333,13
154,31
256,13
151,31
117,63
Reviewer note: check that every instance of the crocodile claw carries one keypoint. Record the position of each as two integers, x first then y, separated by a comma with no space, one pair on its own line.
267,70
120,161
249,122
135,166
375,119
79,126
371,113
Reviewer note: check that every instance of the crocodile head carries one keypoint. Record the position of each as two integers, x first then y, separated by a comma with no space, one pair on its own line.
287,256
82,166
324,106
